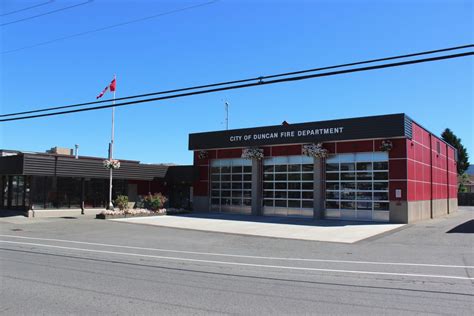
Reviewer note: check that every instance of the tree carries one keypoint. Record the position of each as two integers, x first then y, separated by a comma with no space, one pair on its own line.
463,181
463,158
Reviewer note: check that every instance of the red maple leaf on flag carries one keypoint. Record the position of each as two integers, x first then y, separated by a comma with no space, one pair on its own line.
112,86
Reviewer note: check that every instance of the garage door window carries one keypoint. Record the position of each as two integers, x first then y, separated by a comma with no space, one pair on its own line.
288,186
231,185
357,186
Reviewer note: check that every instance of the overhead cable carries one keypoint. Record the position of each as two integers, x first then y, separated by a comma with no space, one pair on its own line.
27,8
107,27
258,83
47,13
244,80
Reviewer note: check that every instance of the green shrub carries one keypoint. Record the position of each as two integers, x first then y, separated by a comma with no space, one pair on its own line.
155,202
121,202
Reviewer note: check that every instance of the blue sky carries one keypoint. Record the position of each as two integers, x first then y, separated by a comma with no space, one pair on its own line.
223,41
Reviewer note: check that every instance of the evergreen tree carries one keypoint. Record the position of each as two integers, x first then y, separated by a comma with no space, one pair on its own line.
463,158
463,181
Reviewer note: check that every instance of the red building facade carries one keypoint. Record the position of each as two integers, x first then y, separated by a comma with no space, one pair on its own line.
381,168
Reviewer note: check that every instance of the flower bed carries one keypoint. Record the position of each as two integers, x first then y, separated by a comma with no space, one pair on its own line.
136,212
106,214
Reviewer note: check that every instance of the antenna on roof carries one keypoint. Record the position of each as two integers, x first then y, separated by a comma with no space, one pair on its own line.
226,104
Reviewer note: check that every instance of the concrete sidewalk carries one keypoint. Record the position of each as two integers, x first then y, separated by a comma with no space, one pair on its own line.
330,231
69,212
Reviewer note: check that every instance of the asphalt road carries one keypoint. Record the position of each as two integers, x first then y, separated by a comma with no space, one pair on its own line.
87,266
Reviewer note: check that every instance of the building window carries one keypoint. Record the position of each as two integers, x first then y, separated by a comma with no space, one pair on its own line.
4,193
357,186
288,186
38,193
96,193
231,185
13,192
69,192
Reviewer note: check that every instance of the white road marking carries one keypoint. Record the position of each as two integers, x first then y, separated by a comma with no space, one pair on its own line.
245,256
242,264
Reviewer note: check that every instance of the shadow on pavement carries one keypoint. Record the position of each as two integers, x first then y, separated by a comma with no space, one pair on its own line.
10,213
464,228
277,220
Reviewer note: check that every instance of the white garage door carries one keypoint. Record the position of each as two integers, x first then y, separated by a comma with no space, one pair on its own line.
357,186
288,186
231,186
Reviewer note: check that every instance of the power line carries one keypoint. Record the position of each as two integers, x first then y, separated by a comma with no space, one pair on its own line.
46,13
260,82
108,27
27,8
245,80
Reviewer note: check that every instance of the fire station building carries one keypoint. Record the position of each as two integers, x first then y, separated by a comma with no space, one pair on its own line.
382,168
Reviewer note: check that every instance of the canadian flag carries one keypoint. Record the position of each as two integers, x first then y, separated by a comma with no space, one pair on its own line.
111,86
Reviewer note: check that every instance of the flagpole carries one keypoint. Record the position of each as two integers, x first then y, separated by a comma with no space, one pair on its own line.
111,153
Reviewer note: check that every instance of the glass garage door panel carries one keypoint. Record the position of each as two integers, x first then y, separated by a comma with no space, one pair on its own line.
231,186
288,186
357,186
